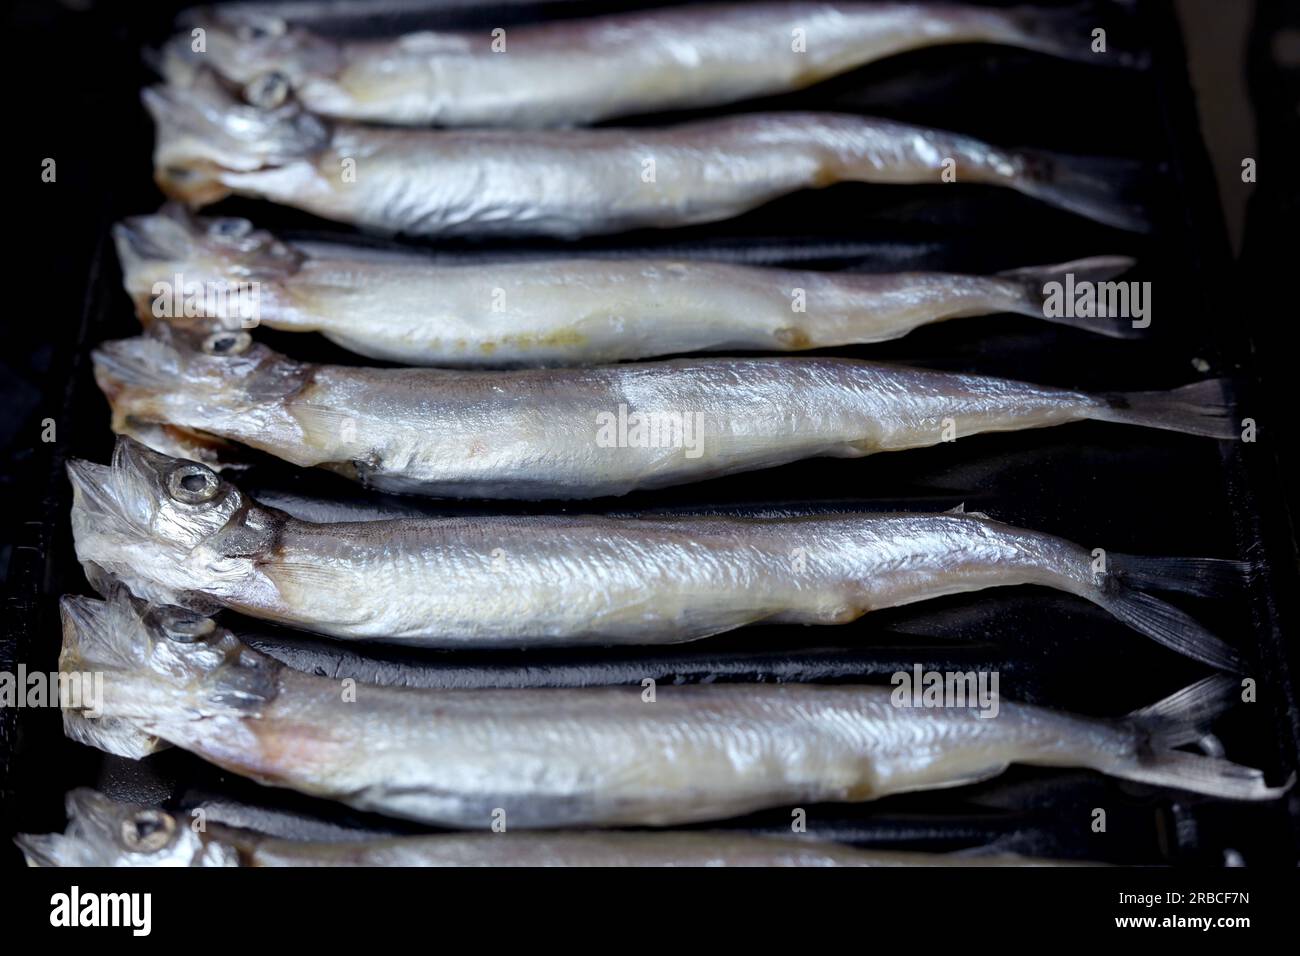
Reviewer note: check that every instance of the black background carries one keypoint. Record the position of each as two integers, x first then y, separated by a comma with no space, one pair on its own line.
74,79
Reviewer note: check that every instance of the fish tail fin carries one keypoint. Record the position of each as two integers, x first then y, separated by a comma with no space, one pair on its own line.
1124,593
1182,718
1185,716
1212,776
1199,577
1165,624
1070,33
1202,408
1104,189
1033,294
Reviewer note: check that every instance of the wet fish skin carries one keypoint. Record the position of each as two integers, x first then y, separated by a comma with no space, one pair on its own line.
586,757
584,70
415,310
106,832
175,533
570,433
572,183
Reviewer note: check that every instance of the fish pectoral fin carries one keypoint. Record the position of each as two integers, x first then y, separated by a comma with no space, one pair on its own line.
111,734
975,776
678,628
883,788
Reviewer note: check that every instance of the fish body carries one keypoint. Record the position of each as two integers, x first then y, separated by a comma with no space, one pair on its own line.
579,432
176,533
573,183
578,71
584,757
415,310
105,832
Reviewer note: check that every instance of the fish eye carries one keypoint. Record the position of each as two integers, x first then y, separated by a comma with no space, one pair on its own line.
229,228
227,343
260,28
182,626
192,483
148,830
268,90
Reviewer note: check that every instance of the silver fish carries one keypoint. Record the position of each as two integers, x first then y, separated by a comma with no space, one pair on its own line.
416,310
106,832
584,70
572,183
592,756
175,533
584,432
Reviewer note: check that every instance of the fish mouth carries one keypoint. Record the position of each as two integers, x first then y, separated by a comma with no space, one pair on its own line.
177,442
102,635
42,849
88,809
167,236
114,505
80,615
125,368
135,461
92,487
145,382
100,526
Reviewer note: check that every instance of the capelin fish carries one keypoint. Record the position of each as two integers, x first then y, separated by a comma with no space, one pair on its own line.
175,533
106,832
584,70
415,310
572,183
577,432
592,756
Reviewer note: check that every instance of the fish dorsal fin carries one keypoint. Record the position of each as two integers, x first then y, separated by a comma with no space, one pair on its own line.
961,510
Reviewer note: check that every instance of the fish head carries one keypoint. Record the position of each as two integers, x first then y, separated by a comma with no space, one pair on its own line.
172,530
201,382
106,832
204,133
259,51
175,265
156,675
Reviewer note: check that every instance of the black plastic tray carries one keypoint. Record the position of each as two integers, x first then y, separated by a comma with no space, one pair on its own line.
1125,489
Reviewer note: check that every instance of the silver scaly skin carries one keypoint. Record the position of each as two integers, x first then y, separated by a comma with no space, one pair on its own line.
572,183
417,310
591,756
576,432
584,70
176,533
106,832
